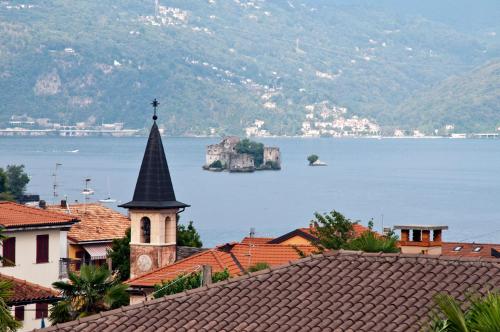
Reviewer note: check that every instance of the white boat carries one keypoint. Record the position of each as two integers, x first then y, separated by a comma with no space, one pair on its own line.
319,163
108,200
87,191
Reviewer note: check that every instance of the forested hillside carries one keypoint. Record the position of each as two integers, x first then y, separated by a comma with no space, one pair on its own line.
222,64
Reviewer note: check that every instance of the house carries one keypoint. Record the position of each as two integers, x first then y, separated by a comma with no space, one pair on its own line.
236,258
30,302
91,238
428,239
335,291
37,242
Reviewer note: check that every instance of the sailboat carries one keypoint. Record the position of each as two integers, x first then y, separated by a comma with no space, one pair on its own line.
87,191
109,199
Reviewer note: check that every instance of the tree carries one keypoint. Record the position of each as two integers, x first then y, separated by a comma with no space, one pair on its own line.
120,256
184,282
258,267
333,230
92,290
253,148
13,182
312,159
7,322
188,236
370,241
483,314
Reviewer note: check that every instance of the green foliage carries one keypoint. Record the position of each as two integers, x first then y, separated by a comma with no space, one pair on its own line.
216,164
186,282
272,165
370,241
253,148
92,290
7,322
188,236
258,267
13,182
120,256
483,314
312,159
333,230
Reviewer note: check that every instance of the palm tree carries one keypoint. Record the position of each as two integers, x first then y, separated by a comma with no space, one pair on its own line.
7,322
483,314
92,290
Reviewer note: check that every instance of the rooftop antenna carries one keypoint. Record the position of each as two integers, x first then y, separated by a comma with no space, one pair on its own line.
157,8
55,184
252,232
87,192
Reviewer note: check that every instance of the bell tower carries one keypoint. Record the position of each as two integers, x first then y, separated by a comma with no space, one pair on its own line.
153,210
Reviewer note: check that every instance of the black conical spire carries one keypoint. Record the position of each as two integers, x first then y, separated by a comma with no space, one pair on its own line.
154,189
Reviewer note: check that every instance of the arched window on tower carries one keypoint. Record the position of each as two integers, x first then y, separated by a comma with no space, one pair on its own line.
167,229
145,230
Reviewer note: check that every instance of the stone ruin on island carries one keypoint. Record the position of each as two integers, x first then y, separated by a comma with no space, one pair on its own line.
225,156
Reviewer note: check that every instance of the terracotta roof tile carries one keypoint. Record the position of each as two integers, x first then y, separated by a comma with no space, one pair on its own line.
256,240
14,215
97,222
236,257
231,305
464,249
27,292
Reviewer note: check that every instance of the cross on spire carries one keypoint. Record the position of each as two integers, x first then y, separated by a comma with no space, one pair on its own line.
155,104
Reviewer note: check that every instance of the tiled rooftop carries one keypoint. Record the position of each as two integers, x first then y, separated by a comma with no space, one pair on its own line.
465,249
27,292
337,291
13,215
256,240
236,257
97,222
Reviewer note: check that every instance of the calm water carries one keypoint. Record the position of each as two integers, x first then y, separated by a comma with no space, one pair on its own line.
440,181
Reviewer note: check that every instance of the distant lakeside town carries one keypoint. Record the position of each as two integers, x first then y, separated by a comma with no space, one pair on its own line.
327,122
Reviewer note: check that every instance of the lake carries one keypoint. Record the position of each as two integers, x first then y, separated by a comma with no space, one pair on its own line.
394,181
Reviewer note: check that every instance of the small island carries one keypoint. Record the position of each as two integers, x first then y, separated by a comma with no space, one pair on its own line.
235,155
314,161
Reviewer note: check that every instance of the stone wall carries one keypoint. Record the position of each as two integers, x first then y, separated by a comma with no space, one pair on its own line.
273,155
145,258
241,163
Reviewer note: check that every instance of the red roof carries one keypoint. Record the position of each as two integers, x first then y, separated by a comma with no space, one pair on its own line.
469,249
97,222
13,215
236,257
27,292
256,240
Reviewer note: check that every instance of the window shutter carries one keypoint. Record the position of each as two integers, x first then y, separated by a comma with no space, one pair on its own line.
9,251
41,310
19,313
42,248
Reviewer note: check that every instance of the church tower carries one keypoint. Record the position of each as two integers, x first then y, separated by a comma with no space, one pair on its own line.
153,210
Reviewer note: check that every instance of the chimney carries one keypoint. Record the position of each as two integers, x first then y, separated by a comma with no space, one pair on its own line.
421,239
64,203
42,204
206,274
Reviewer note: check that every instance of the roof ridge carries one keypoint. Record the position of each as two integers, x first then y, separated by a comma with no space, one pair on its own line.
37,211
28,283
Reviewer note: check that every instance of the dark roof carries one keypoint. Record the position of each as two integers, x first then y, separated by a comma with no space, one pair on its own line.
336,291
154,189
25,292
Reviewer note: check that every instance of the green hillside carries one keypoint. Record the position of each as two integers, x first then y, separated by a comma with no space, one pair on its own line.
469,102
221,63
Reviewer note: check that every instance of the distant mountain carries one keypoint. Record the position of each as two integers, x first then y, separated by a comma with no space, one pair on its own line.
222,64
469,102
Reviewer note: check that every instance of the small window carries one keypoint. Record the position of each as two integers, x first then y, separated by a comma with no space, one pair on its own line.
19,313
9,251
41,310
42,248
145,230
457,248
477,249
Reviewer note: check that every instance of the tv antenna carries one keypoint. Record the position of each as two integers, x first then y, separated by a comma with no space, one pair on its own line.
55,184
157,8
